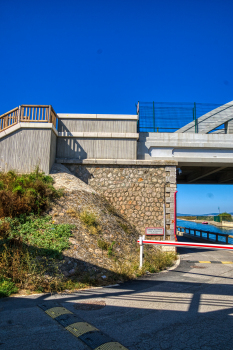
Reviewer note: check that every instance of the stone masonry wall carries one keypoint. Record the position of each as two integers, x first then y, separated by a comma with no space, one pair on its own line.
138,191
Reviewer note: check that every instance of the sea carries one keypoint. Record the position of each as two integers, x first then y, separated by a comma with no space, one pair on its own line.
210,228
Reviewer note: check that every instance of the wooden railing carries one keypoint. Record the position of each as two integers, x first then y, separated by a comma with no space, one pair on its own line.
9,119
29,114
188,230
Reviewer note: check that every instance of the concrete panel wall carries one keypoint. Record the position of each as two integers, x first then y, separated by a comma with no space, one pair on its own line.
97,125
206,149
99,148
229,127
24,149
53,150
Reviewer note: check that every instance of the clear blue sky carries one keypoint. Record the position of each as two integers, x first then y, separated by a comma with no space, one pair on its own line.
103,56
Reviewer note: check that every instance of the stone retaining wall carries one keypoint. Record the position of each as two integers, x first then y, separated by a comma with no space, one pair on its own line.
137,191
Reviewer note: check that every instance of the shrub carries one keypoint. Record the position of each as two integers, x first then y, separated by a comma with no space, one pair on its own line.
23,194
7,287
102,244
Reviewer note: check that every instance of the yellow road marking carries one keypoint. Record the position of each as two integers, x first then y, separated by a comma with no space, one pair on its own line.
57,311
80,328
227,262
205,262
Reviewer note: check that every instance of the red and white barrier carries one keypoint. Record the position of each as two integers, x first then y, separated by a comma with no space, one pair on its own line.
143,241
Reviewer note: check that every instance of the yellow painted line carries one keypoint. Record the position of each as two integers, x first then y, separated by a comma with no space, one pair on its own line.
227,262
57,311
204,262
111,346
80,328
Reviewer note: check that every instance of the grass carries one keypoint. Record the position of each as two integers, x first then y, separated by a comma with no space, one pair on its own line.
154,261
90,220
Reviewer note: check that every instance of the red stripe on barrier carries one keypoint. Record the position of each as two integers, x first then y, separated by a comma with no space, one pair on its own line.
189,244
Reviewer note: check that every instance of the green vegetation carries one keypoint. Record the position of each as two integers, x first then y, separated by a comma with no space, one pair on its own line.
90,221
7,287
155,260
30,244
39,232
223,217
102,244
110,248
24,194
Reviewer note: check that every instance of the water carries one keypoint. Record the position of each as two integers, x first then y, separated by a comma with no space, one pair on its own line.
210,228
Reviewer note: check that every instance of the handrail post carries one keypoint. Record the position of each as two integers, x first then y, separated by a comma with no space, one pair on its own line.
19,114
49,116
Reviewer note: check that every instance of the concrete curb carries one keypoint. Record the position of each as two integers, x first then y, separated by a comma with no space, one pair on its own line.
177,263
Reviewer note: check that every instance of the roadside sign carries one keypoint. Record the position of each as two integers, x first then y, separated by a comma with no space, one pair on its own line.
154,231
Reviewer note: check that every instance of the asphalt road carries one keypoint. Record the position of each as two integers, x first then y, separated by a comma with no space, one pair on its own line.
190,307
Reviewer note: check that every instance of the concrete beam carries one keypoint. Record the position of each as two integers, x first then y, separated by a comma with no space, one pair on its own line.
104,135
114,161
97,116
201,174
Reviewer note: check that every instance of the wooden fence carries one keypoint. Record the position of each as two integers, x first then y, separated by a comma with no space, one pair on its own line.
199,234
29,114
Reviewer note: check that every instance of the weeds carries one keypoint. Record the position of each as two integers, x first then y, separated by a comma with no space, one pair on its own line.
110,249
90,221
102,244
23,194
39,232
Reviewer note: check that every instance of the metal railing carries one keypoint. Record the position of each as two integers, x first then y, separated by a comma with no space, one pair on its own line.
29,114
204,234
170,116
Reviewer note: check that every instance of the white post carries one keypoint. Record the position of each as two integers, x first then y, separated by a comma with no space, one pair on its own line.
141,251
164,221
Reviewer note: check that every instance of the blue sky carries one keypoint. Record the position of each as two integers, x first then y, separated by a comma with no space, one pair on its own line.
103,56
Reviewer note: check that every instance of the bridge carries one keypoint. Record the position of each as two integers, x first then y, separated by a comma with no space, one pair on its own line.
130,159
203,148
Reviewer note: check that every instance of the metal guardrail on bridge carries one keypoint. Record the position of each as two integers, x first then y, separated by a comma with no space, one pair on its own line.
170,116
205,234
29,114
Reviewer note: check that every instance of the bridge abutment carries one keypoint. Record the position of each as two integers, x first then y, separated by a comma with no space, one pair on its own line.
139,190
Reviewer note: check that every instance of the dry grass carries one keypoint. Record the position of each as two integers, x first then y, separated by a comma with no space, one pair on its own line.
90,220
